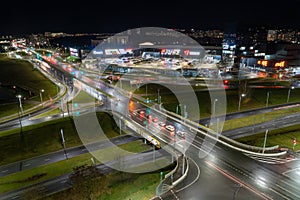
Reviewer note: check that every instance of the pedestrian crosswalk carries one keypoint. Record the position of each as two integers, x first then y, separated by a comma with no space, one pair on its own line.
271,159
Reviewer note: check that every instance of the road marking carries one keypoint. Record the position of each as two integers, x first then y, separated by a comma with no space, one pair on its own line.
63,181
237,180
290,185
4,171
47,159
279,194
288,191
288,171
197,177
27,164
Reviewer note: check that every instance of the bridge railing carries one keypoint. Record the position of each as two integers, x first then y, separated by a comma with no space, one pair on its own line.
174,177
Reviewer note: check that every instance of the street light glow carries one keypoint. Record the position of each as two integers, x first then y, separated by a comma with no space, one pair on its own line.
41,96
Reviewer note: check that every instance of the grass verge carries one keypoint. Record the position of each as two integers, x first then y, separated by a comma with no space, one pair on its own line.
45,137
282,137
45,172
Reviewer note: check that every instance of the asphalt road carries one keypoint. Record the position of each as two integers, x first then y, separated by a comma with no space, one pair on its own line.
64,182
224,170
60,155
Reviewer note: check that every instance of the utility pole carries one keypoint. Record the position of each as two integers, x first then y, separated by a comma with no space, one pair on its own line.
265,140
268,95
63,142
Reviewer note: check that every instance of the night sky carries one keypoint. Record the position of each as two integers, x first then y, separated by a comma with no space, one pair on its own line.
116,16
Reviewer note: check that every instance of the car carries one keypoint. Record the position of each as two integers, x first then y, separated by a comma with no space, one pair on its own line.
181,134
170,128
161,124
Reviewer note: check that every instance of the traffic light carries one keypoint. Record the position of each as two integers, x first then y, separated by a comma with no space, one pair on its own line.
226,82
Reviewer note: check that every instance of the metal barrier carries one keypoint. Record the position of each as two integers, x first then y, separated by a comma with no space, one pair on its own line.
169,180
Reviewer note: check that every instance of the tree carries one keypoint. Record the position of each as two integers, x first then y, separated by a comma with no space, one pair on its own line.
88,183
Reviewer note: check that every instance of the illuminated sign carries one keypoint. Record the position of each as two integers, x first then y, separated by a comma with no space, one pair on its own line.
176,51
263,63
74,52
98,52
112,51
225,46
259,54
128,50
170,51
232,47
194,53
227,52
186,52
280,64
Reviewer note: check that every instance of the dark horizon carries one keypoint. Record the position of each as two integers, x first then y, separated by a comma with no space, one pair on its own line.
114,17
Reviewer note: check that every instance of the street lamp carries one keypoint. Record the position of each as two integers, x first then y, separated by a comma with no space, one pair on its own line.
265,141
63,142
20,103
177,108
289,93
120,124
242,95
41,96
184,111
268,95
214,111
20,120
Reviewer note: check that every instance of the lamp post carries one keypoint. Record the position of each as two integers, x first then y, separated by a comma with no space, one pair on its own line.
289,93
20,103
41,96
240,99
184,111
146,90
214,111
63,142
120,124
265,141
20,120
268,95
177,108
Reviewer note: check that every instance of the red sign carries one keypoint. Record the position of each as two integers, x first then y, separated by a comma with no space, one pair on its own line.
186,52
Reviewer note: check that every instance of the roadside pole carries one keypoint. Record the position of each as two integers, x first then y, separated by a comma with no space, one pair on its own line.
63,143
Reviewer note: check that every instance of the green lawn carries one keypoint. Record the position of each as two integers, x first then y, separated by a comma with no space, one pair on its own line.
258,118
282,137
20,73
45,137
31,176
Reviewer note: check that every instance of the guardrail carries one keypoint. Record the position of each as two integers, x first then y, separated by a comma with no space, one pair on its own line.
168,182
216,136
